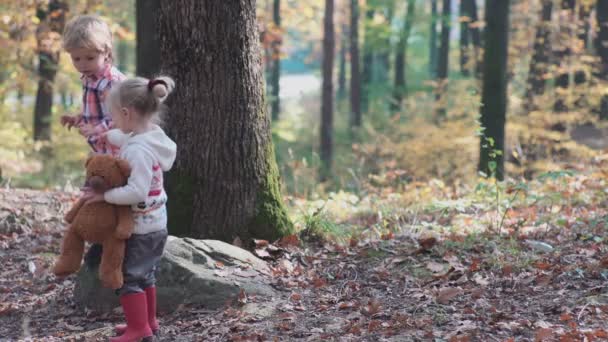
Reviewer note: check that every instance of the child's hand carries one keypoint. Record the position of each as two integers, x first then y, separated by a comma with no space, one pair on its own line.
91,197
70,120
86,130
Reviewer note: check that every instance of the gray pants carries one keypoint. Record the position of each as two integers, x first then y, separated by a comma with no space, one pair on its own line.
142,256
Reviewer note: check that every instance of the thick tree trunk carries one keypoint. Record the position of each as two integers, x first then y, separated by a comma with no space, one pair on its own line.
368,61
562,55
275,73
433,41
465,18
539,65
225,183
400,57
342,66
48,37
442,66
601,13
327,104
471,9
494,89
147,54
355,74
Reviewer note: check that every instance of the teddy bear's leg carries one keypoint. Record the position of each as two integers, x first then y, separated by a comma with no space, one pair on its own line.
126,223
72,248
110,270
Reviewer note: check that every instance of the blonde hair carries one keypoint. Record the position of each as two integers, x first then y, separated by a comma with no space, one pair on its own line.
144,95
88,32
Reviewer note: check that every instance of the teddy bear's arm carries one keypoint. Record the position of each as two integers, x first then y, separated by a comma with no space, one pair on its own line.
125,221
69,217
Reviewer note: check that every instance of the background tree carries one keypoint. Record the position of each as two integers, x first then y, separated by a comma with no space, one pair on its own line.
443,61
327,105
465,18
275,73
400,55
368,58
225,183
475,34
48,36
342,62
355,74
433,40
601,45
562,54
494,88
539,64
147,53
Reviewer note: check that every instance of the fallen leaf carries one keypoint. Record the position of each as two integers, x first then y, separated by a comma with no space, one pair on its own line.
435,267
296,297
447,294
543,334
242,299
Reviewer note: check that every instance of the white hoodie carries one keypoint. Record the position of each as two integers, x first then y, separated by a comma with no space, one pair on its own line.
149,154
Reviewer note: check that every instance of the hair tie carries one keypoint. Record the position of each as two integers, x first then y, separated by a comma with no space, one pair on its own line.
152,83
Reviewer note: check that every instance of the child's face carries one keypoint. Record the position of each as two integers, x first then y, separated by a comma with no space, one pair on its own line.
88,61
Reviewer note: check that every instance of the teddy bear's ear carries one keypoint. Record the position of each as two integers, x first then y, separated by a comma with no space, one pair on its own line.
124,167
86,163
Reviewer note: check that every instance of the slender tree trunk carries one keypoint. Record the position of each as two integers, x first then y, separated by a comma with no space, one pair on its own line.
147,52
601,13
225,182
562,54
539,65
342,66
400,57
442,67
48,37
327,105
464,38
433,40
494,89
275,73
580,76
471,8
385,49
355,74
368,61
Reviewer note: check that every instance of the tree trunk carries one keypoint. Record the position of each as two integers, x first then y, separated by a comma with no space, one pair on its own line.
368,60
122,52
225,183
601,13
494,89
442,67
433,41
580,76
275,73
539,65
148,54
465,18
355,74
342,66
48,37
562,55
400,57
471,9
327,105
385,49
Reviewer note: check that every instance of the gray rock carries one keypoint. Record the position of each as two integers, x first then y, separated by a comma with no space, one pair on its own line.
207,272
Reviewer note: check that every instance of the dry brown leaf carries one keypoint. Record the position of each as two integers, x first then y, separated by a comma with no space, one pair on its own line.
543,334
447,294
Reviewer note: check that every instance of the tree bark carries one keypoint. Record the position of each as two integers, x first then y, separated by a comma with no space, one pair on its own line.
48,37
385,48
539,65
562,55
442,66
275,73
327,105
342,66
147,51
368,61
601,45
355,74
471,9
433,40
464,38
494,89
400,57
225,182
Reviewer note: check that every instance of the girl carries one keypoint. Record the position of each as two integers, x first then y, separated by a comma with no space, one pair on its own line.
88,40
136,105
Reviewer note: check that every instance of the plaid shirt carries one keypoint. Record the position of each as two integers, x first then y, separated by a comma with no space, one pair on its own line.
94,109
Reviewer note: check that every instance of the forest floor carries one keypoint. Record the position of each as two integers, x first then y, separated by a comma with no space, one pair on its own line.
536,270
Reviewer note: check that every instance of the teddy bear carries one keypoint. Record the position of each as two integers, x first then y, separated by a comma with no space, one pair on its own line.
98,222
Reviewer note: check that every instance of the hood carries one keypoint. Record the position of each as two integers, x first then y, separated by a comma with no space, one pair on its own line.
154,141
